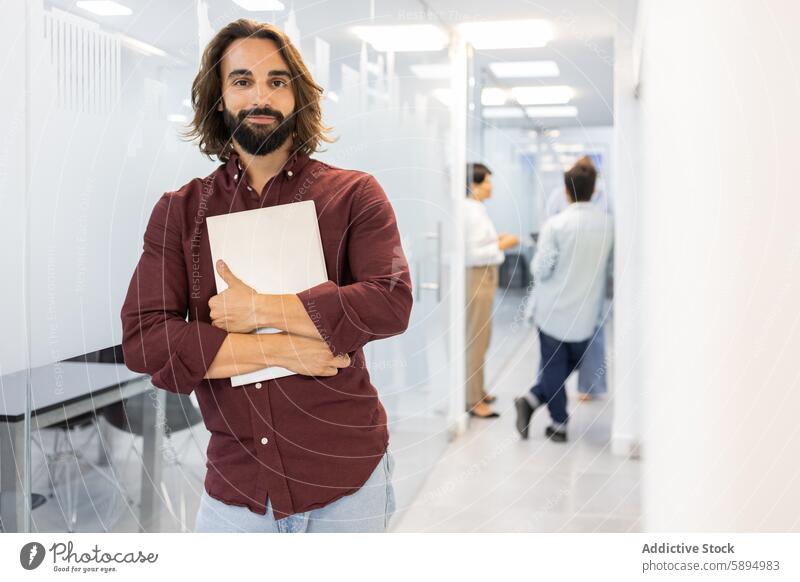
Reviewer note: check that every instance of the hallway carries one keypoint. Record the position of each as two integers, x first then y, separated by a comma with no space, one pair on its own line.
489,480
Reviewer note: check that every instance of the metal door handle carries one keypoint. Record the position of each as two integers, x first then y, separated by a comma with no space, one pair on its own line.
437,286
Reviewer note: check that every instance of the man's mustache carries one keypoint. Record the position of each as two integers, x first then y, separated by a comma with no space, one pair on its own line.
262,111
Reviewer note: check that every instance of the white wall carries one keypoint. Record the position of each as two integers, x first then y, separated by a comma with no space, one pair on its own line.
721,250
626,373
512,207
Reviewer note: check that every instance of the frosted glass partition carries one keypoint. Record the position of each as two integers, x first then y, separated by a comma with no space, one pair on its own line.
13,340
104,146
15,499
100,142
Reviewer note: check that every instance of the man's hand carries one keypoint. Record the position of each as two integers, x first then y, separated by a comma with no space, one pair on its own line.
234,309
506,241
304,355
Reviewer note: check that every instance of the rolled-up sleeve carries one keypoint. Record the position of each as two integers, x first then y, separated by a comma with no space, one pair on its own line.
378,303
546,256
157,339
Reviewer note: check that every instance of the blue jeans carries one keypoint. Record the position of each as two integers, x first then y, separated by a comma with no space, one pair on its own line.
592,371
559,360
366,510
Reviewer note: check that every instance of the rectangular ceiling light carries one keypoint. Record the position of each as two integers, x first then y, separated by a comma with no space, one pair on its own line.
260,5
507,34
493,96
141,46
403,37
431,72
534,112
524,69
568,148
502,113
558,111
104,8
552,95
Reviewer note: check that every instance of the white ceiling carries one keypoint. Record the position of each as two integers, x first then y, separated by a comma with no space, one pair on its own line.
582,47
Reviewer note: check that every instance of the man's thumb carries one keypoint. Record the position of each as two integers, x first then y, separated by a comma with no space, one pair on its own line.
226,274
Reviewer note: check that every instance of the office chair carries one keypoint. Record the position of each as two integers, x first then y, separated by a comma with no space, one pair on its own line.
180,414
65,463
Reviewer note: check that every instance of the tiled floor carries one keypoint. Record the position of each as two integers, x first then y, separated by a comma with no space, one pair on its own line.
489,480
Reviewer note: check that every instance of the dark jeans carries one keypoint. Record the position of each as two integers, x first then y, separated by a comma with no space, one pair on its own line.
559,359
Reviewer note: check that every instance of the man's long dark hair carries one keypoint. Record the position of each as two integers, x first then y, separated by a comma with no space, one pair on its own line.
208,124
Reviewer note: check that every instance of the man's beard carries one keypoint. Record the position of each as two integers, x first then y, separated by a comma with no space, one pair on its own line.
259,140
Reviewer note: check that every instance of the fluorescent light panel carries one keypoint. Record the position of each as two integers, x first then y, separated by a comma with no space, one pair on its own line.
141,46
568,148
524,69
535,112
558,111
260,5
507,34
552,95
431,72
493,96
403,38
502,113
104,8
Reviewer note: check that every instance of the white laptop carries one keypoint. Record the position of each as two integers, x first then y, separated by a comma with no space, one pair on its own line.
275,250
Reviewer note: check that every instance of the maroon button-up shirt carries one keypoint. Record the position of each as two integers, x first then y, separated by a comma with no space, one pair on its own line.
304,442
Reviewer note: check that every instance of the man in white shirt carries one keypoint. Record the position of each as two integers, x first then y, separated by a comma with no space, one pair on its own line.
569,271
484,252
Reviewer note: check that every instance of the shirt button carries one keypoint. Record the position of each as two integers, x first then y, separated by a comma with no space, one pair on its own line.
264,440
258,384
236,176
289,173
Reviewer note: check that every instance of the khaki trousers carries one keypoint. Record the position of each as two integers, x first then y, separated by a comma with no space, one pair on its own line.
481,283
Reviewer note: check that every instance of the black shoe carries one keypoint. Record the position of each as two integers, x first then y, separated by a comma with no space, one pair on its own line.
524,413
492,414
555,435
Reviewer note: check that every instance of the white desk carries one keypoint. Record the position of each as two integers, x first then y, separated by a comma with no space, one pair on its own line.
61,391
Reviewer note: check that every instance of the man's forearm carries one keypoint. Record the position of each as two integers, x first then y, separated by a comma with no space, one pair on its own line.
241,353
287,313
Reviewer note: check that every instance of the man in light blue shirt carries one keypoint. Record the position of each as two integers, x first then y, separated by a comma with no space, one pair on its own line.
569,272
592,371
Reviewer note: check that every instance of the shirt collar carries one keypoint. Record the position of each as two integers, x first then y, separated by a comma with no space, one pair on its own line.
292,167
